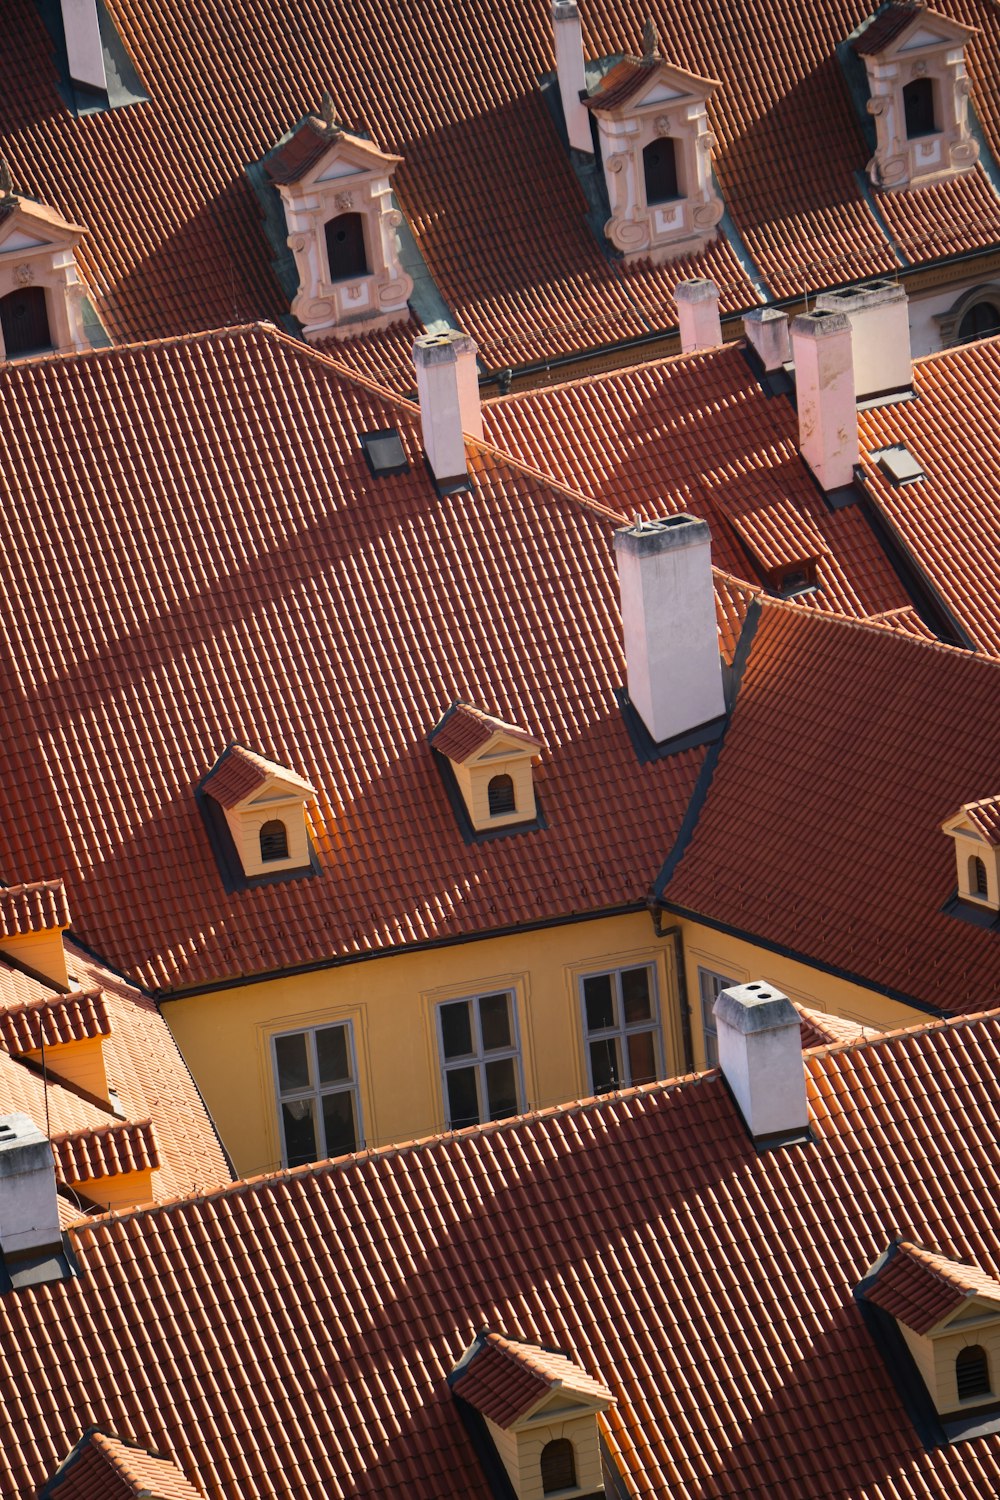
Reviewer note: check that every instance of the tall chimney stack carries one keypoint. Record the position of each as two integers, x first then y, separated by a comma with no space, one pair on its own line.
824,388
571,73
671,634
760,1054
448,391
880,330
766,330
29,1207
84,49
698,314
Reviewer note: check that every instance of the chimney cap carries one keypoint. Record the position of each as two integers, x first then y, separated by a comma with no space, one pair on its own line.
442,348
696,289
565,10
765,315
755,1007
667,534
821,324
851,298
17,1130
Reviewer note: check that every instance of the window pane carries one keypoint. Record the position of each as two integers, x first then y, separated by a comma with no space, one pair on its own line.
494,1022
605,1066
293,1061
598,1000
299,1126
711,1050
456,1029
501,1088
635,995
641,1057
338,1122
463,1101
331,1048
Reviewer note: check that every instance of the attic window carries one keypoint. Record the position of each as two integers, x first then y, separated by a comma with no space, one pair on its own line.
383,452
24,322
346,256
659,165
978,880
972,1373
501,795
918,108
263,805
899,465
558,1464
273,841
492,765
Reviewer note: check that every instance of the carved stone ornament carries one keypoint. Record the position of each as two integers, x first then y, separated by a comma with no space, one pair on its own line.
708,141
627,234
354,291
24,275
877,105
707,215
393,218
894,170
963,153
919,69
663,126
963,87
616,163
344,201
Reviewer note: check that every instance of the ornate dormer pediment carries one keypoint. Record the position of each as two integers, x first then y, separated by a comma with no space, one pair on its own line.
342,228
656,149
40,287
915,61
264,806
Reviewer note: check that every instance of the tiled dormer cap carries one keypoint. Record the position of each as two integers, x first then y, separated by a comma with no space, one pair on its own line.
464,729
644,538
920,1287
755,1007
985,819
104,1465
505,1379
240,772
39,907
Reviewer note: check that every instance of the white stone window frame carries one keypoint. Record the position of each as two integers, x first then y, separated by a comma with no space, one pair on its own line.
38,249
316,1091
479,1057
950,322
621,1030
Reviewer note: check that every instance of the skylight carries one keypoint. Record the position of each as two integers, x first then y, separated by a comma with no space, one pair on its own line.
384,452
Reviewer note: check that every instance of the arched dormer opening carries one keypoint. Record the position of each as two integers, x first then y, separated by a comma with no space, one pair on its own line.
273,841
24,322
558,1465
972,1373
918,108
346,255
978,881
659,167
975,829
501,796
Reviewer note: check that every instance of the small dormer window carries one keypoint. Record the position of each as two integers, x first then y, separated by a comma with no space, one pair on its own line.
975,830
918,108
492,763
336,189
558,1465
273,841
41,294
263,807
24,322
972,1373
978,881
659,166
501,796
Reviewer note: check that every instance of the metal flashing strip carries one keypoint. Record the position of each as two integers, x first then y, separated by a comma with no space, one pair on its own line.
647,749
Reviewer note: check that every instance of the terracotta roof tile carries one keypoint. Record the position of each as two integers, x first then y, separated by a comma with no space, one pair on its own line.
84,1155
54,1019
293,1336
820,1029
102,1467
505,1379
621,82
303,149
921,1287
821,755
884,28
241,771
985,818
33,908
466,729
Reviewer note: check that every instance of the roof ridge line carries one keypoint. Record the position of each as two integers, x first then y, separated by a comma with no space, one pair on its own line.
872,624
872,1038
598,376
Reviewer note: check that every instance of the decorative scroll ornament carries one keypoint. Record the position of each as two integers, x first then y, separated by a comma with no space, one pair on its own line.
7,194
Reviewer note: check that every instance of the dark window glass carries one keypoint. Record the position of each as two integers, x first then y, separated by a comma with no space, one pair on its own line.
293,1062
24,321
494,1022
972,1373
918,107
501,795
982,320
345,247
463,1101
641,1057
659,165
299,1123
597,994
331,1050
978,880
635,995
338,1123
558,1466
456,1029
501,1088
273,841
605,1065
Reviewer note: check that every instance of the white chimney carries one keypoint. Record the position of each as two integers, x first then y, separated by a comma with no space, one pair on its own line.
84,49
448,391
766,330
698,314
29,1208
824,388
671,635
880,326
760,1054
571,72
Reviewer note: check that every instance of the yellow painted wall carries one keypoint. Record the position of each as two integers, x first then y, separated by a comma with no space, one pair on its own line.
79,1062
741,960
41,951
226,1036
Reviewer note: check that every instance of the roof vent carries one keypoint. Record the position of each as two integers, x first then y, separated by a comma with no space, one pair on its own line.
383,451
760,1054
898,464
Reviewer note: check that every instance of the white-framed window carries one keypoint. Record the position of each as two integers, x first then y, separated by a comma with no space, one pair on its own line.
480,1059
316,1078
710,986
621,1027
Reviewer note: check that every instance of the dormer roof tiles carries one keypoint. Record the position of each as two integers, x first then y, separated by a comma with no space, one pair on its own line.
103,1467
884,28
37,907
121,1146
307,145
921,1287
54,1020
505,1379
465,729
985,818
241,771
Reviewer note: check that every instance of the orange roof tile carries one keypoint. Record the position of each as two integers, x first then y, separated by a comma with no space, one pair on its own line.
102,1467
53,1020
465,729
838,778
820,1029
85,1155
505,1379
294,1336
241,771
32,908
256,584
920,1287
985,818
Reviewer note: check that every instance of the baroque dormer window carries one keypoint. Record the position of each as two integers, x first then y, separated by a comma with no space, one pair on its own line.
656,148
915,62
342,228
975,829
492,764
263,805
41,293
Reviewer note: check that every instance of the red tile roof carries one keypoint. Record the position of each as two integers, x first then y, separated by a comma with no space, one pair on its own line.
621,82
102,1467
293,1336
505,1379
465,729
33,908
176,241
920,1288
86,1155
886,27
948,521
248,580
819,1029
985,818
241,771
54,1019
838,777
